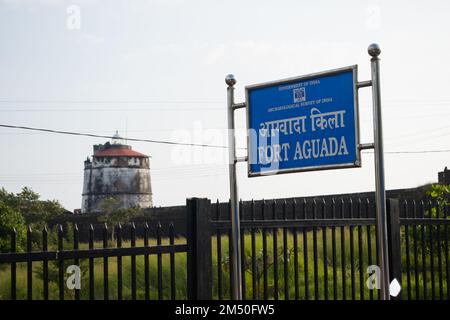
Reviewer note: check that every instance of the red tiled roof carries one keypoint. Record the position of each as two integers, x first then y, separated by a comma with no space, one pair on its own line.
119,152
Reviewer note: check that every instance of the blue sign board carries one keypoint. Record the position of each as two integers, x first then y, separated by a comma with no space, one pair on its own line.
304,123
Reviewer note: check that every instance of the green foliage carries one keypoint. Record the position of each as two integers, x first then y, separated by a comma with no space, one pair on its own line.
113,214
434,235
10,219
21,209
441,193
33,210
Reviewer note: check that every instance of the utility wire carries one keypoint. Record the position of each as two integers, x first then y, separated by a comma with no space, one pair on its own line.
412,152
111,137
116,101
180,143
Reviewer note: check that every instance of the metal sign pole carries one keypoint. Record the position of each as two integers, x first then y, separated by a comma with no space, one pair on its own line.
380,193
235,225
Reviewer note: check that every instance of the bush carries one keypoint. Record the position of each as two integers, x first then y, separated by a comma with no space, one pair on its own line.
10,219
440,194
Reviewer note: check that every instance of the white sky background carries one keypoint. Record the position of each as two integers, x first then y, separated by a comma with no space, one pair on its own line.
155,67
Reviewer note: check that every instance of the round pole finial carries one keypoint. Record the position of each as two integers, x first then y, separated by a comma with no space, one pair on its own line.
374,50
230,80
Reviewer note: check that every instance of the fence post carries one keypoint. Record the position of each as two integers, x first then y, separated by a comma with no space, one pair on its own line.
199,261
394,252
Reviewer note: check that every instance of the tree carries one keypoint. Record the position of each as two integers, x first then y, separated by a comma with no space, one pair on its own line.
28,203
10,219
112,214
24,208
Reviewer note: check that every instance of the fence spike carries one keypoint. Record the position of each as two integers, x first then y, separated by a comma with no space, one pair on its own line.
105,235
437,208
430,208
294,209
252,208
44,237
75,235
146,229
350,203
324,204
119,234
314,208
359,208
274,209
133,234
333,208
158,226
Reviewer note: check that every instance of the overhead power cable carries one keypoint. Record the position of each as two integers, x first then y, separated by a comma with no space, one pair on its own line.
114,101
111,137
413,152
180,143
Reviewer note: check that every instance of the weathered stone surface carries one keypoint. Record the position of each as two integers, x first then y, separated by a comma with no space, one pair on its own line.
116,171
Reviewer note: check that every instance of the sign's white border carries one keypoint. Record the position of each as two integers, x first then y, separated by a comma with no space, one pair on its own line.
356,164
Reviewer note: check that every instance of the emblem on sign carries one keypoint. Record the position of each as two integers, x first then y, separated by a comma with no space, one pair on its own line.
299,95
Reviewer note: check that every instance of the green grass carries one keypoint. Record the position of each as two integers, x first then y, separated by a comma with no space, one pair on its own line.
180,276
321,267
180,270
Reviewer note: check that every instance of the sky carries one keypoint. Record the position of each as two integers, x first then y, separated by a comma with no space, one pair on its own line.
156,69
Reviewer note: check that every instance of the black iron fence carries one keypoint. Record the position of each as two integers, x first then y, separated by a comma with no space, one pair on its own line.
302,250
424,252
322,249
308,249
53,262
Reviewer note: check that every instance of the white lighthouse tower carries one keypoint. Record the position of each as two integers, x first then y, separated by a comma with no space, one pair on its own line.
116,171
